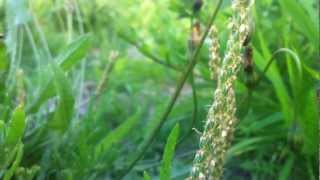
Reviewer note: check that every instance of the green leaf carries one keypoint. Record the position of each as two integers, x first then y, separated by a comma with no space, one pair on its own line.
287,168
301,19
27,173
17,14
273,74
166,163
117,135
250,144
16,127
313,73
4,62
74,52
8,175
146,176
309,121
64,112
4,66
1,129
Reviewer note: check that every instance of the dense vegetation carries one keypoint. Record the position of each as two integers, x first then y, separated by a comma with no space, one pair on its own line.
121,89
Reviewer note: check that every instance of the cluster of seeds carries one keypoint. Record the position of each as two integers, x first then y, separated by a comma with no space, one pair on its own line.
219,128
214,47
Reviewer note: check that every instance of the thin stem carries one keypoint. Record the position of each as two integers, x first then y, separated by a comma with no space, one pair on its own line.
144,146
105,77
147,53
194,93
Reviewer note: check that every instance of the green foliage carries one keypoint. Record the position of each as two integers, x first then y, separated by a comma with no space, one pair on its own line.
64,111
16,127
75,52
146,176
166,163
72,54
117,135
9,174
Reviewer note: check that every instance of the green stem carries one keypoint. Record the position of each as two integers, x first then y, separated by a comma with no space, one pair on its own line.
194,93
147,53
144,146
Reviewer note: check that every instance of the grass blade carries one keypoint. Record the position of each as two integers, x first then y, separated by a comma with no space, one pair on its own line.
165,171
117,135
75,52
8,175
16,127
65,108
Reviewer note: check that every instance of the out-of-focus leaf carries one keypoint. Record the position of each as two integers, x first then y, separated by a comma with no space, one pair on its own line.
16,127
27,173
249,144
274,76
301,19
4,66
313,73
3,57
75,52
64,111
287,168
309,122
117,135
146,176
1,130
264,123
166,163
17,14
8,174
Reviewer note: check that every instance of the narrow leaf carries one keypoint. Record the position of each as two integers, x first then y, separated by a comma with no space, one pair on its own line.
76,51
287,168
16,126
64,111
117,135
166,163
8,175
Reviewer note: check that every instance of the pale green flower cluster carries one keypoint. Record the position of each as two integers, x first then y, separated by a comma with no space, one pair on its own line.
221,120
